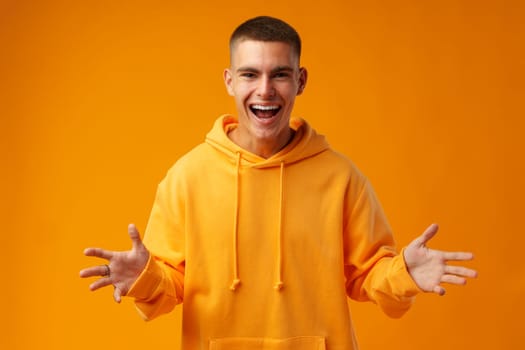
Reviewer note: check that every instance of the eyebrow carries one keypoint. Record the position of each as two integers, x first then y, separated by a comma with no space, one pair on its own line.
275,70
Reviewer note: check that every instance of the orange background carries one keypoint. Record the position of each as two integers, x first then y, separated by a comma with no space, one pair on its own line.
99,98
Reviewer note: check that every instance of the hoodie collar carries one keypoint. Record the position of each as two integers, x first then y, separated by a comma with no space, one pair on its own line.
305,143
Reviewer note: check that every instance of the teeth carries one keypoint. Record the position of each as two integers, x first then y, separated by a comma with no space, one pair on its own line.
265,108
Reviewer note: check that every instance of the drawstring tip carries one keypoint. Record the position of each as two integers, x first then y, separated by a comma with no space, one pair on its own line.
278,286
236,282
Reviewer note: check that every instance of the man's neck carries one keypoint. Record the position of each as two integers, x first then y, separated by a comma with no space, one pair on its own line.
262,147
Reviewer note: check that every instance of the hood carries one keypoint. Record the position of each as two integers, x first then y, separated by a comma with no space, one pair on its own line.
306,143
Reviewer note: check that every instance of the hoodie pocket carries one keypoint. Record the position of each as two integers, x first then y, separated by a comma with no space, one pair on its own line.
295,343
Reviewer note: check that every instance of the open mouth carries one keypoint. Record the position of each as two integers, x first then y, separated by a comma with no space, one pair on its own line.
265,111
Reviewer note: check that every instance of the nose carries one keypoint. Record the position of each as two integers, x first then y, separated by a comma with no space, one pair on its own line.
265,88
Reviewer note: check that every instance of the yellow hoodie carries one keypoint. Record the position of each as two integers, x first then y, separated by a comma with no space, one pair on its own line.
264,252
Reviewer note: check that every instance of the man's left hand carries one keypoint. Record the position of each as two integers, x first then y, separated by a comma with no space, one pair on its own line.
429,268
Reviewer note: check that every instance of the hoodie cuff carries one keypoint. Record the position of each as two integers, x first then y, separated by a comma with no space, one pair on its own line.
146,284
403,284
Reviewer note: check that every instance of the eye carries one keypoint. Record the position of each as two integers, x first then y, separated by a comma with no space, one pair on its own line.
282,75
248,75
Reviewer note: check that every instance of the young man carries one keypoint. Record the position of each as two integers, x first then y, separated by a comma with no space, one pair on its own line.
263,231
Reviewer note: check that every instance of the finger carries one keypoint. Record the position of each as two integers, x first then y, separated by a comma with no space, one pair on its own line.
458,256
427,235
101,282
117,295
453,279
99,253
134,234
461,271
101,270
439,290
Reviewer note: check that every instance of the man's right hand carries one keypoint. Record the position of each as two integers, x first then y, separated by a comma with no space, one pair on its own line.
122,268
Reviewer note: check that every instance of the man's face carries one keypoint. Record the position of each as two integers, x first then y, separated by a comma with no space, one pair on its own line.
264,78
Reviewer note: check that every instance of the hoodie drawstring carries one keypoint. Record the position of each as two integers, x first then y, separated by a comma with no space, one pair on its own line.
280,284
236,280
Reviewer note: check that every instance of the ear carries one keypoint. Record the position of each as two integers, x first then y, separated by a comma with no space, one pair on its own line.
227,75
303,77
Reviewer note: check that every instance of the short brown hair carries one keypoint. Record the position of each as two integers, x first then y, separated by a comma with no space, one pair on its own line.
265,28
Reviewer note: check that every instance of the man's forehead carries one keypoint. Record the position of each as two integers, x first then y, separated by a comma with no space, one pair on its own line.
249,49
275,69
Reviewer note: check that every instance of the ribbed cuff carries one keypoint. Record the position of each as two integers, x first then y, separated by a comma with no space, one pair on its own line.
403,284
147,282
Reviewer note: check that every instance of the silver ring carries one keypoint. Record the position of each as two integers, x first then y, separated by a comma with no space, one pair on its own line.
108,271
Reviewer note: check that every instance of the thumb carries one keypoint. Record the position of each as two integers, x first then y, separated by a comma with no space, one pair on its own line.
427,235
134,234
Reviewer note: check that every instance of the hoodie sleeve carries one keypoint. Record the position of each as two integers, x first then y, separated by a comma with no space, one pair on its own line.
160,286
374,270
